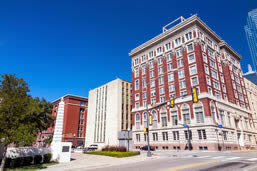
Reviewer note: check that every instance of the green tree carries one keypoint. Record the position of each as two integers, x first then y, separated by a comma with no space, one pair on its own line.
21,116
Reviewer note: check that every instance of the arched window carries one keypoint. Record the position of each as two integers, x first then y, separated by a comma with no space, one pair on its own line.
213,112
186,114
154,113
174,116
164,117
138,120
198,109
145,120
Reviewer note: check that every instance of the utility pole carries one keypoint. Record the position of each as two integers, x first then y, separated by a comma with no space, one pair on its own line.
147,127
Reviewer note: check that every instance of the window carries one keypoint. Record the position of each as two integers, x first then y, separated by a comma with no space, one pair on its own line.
216,85
192,69
179,52
137,105
209,42
202,134
181,74
205,58
177,41
162,98
152,83
155,136
144,83
164,119
152,92
213,64
153,100
224,88
174,118
222,78
214,74
206,69
160,70
138,120
171,87
137,85
222,116
203,47
186,116
151,64
143,58
211,53
225,135
190,48
151,54
220,68
154,113
144,103
208,80
145,119
136,61
183,93
159,61
217,94
165,136
152,74
161,80
82,103
169,57
170,66
188,36
175,135
171,77
191,58
201,36
186,135
161,90
167,46
182,84
143,70
159,50
137,96
180,63
194,81
210,90
144,95
138,137
199,114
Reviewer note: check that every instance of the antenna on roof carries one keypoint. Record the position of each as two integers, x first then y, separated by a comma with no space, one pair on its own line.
164,29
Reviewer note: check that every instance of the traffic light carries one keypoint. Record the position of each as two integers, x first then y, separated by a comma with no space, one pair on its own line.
194,95
145,129
172,101
150,119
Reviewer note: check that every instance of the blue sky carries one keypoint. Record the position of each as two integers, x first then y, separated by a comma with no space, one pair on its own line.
69,47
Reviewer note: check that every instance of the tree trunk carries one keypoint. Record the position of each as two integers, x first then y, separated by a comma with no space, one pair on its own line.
4,158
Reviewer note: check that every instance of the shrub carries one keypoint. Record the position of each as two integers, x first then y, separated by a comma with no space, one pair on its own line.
47,157
114,148
18,161
37,159
7,162
27,161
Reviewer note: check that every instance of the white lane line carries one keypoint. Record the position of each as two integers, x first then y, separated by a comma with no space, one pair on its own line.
252,159
232,158
202,157
219,157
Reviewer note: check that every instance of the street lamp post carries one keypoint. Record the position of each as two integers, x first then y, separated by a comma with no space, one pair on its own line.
128,138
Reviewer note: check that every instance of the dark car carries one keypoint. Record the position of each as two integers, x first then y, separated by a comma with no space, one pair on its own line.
152,148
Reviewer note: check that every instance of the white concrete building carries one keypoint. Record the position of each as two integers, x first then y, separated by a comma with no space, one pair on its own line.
251,90
109,113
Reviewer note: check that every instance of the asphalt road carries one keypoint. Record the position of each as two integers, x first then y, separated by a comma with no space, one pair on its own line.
193,161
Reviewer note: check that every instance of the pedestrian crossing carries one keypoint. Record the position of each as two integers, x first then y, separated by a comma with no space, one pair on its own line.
221,158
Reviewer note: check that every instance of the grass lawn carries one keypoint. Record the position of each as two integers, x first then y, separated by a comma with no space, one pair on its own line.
114,153
34,167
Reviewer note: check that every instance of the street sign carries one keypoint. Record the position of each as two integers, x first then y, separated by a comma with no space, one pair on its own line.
185,125
220,126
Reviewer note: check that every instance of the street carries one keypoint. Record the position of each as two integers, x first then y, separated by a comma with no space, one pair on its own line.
165,160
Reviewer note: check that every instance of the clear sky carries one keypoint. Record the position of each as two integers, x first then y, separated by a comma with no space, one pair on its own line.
72,46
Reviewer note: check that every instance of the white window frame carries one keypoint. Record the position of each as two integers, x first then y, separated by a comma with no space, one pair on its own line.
191,61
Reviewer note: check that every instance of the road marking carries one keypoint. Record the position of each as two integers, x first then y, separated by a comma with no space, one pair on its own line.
194,165
202,157
232,158
252,159
219,157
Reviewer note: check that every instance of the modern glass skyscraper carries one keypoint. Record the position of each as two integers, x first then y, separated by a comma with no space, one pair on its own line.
251,35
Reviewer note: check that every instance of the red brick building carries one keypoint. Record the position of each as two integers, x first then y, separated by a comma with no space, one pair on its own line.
189,55
74,120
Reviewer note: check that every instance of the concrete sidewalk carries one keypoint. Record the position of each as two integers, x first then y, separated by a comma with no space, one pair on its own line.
82,161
